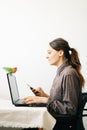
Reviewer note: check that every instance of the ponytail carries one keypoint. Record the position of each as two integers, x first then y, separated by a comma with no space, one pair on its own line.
75,62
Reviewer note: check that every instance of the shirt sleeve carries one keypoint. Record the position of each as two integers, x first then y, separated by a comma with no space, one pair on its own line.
69,97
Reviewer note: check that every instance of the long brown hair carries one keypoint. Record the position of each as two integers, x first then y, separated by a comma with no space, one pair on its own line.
70,53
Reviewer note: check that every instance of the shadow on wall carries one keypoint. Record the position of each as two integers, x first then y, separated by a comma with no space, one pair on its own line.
3,128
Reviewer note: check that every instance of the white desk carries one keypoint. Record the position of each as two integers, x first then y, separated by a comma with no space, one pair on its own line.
24,117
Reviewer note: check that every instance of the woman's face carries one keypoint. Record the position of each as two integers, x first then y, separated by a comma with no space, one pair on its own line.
53,56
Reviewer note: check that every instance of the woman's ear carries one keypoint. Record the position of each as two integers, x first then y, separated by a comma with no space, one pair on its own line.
61,52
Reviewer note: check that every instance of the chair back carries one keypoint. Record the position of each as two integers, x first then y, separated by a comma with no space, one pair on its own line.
82,104
80,114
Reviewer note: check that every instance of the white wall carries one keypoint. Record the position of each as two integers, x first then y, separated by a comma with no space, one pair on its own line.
26,28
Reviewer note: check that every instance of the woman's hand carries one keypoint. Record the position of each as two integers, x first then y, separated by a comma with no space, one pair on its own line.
35,99
39,92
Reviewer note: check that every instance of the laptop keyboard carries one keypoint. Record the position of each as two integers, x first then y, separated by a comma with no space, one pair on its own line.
20,103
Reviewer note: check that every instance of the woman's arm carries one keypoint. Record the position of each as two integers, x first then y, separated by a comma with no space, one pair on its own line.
70,96
35,99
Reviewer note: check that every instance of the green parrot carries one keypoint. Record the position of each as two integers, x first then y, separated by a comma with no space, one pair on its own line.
10,70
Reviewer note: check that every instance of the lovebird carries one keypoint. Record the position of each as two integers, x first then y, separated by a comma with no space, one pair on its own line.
10,69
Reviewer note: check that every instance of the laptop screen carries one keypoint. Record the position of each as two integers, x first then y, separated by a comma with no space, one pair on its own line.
13,87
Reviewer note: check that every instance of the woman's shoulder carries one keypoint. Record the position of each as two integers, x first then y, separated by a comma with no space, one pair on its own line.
69,70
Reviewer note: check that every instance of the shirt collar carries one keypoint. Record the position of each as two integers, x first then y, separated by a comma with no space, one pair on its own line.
61,68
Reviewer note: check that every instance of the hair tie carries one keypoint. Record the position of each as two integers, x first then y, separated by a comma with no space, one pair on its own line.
70,51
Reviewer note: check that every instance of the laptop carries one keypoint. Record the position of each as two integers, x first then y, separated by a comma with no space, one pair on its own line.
15,98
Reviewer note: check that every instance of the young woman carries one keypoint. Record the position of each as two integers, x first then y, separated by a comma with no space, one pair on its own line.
68,82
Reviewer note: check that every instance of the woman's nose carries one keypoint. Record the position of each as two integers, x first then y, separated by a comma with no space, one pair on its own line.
46,56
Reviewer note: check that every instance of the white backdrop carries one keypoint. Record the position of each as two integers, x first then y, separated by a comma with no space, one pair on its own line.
26,28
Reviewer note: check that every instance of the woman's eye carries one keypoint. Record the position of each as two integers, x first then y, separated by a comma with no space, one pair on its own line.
49,52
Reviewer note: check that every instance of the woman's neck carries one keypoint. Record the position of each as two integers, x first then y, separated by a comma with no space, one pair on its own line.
62,61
